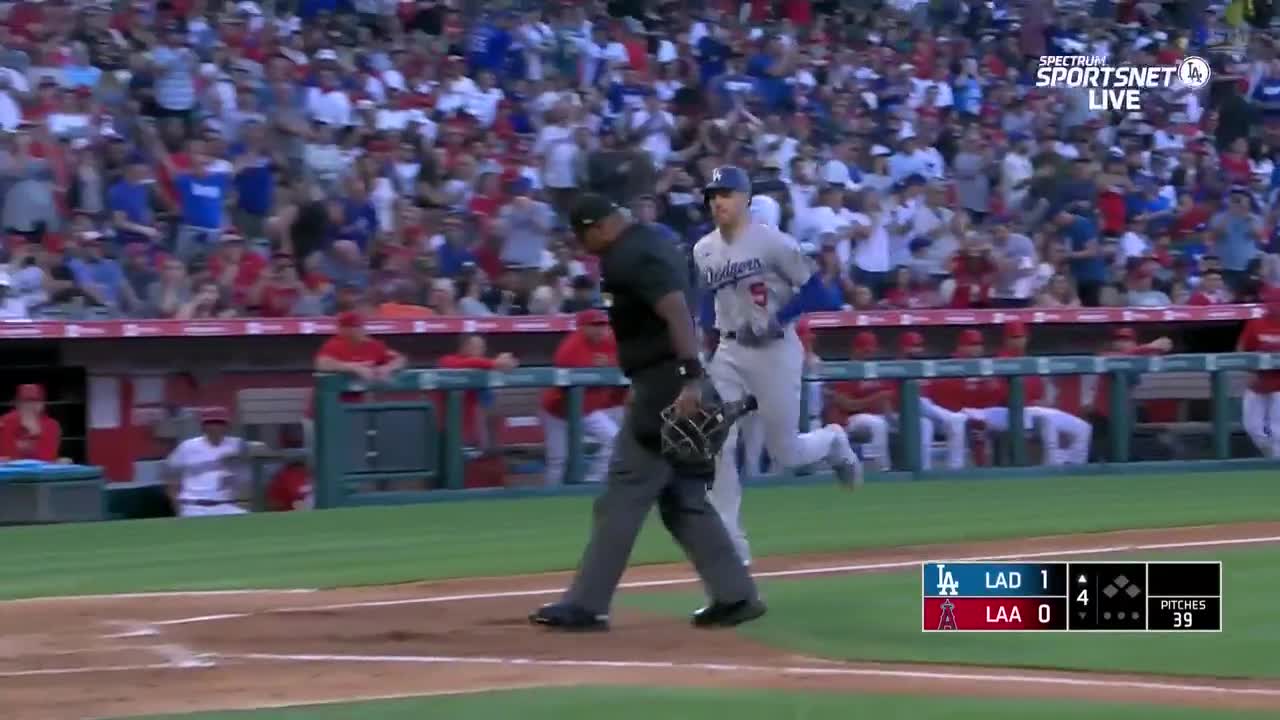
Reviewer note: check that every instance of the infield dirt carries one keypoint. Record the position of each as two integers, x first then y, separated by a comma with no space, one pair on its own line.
78,658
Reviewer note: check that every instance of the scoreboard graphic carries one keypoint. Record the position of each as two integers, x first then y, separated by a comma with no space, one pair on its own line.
1071,596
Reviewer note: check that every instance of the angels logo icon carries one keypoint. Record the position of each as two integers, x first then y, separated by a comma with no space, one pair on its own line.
948,619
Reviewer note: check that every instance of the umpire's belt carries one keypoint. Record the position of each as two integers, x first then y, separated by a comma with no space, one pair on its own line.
733,335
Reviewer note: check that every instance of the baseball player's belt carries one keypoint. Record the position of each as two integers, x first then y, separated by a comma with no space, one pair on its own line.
732,335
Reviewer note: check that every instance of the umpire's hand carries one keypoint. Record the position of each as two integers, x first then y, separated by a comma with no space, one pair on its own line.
689,400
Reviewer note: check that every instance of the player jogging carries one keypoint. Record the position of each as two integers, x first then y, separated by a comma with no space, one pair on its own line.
760,283
1260,411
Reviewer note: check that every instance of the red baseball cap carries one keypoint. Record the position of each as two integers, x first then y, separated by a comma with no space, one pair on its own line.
592,316
350,319
911,339
969,337
214,414
1123,333
865,341
30,392
1015,329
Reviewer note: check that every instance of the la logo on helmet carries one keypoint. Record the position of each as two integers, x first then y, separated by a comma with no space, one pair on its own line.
715,175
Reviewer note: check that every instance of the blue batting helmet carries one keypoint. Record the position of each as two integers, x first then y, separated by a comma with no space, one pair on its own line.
727,177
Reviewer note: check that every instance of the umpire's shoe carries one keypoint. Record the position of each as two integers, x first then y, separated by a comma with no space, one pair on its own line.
723,615
567,617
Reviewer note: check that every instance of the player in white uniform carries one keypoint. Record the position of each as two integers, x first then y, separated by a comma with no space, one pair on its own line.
761,282
207,467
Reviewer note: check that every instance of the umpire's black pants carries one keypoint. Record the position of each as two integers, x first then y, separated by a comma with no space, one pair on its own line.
638,478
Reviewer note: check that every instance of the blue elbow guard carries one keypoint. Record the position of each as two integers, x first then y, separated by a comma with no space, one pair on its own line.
810,298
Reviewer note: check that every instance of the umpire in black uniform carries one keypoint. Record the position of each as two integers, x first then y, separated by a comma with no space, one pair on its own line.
658,351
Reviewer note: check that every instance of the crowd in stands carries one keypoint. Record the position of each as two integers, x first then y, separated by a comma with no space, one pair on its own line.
206,158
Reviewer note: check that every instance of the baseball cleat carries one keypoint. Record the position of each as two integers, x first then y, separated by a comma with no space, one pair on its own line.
849,474
724,615
568,617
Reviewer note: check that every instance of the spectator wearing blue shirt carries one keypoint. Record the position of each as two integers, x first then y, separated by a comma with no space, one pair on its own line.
255,180
1236,232
1084,253
771,69
359,218
713,56
452,254
101,278
735,87
1147,207
129,202
628,94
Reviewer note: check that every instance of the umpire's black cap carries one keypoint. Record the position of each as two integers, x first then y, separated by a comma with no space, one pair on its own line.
590,210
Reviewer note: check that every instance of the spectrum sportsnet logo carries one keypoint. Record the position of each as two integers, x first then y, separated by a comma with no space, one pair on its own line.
1117,87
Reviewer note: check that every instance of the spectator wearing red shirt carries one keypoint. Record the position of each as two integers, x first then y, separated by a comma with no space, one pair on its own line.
236,269
1212,291
974,272
1260,411
278,291
590,346
865,407
26,432
472,355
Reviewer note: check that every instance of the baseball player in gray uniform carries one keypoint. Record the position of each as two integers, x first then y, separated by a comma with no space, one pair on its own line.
760,282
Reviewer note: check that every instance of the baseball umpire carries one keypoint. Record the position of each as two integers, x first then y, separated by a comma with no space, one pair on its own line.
657,350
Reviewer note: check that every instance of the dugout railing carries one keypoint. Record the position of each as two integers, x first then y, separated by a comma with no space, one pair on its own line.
370,443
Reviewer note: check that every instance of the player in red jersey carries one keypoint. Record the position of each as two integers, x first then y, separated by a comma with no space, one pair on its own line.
951,423
1051,424
864,408
591,345
1261,403
26,432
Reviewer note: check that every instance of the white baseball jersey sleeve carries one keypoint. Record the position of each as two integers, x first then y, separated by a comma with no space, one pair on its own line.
752,277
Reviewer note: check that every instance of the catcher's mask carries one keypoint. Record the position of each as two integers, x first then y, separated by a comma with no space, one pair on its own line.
696,439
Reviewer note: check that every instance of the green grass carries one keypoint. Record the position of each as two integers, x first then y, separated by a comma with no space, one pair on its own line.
877,617
385,545
626,703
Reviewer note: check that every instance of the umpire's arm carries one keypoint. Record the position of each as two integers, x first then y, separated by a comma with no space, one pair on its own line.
660,278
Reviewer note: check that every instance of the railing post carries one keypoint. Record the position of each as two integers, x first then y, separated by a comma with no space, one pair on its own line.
330,424
804,404
573,424
454,471
1121,416
909,424
1017,433
1220,398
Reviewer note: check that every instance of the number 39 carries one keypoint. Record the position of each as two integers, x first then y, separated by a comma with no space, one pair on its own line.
1182,620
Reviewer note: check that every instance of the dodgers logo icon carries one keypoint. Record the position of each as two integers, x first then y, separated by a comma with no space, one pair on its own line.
715,175
947,584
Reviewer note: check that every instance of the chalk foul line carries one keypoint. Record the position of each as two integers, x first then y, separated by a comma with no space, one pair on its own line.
1007,676
798,572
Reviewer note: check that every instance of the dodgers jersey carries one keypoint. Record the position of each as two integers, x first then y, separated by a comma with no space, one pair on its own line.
752,277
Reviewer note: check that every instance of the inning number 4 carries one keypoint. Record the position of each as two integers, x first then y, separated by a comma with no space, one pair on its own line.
1083,597
760,293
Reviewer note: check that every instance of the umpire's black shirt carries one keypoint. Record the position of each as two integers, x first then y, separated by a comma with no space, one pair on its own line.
638,269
